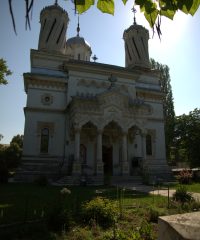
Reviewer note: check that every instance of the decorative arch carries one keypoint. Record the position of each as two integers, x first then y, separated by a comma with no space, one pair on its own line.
114,120
88,120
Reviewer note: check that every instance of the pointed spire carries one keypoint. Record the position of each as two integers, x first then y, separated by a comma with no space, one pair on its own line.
134,12
78,27
56,2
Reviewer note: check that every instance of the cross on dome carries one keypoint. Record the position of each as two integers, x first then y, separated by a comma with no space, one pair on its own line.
134,12
78,27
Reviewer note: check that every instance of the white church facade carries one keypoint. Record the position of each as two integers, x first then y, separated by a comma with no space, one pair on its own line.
90,119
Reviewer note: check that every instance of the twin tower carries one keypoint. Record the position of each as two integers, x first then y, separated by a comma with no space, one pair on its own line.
54,22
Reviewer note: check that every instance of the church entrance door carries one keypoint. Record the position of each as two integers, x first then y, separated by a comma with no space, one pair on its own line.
108,160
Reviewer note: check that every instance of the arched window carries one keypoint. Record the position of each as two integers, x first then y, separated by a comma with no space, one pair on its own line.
44,144
83,152
148,144
79,56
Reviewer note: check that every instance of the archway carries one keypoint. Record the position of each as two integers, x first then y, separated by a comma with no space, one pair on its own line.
111,143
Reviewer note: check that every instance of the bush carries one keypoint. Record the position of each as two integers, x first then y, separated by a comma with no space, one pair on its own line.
153,215
102,210
185,177
182,195
145,232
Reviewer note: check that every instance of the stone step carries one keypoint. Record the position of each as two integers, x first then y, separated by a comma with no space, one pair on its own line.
126,179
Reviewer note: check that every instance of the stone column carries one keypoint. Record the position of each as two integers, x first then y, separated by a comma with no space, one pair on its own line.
143,144
125,164
99,153
77,164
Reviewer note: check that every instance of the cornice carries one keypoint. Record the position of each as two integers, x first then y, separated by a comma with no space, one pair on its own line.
47,110
149,94
43,80
107,69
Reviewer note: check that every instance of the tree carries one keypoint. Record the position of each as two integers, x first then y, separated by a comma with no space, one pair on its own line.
11,155
187,138
14,151
4,71
153,9
168,105
18,139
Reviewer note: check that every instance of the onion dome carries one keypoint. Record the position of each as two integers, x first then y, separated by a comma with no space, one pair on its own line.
78,48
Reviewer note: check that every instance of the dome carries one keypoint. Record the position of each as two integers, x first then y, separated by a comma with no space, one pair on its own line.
78,48
78,41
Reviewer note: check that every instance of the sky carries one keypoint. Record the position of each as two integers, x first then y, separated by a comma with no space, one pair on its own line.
178,48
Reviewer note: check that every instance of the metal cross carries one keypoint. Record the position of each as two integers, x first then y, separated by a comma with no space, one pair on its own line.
94,58
134,12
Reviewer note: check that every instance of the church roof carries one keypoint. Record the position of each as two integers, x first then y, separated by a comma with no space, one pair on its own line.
52,7
78,41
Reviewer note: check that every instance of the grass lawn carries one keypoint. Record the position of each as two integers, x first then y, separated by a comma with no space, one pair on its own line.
193,187
28,202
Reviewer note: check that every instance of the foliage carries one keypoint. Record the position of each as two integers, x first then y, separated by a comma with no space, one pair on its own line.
185,176
102,210
145,232
18,139
49,203
12,153
187,138
182,195
168,104
153,9
4,71
153,214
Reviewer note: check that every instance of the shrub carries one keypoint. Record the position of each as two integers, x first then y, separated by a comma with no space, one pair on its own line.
185,176
153,215
102,210
182,195
145,232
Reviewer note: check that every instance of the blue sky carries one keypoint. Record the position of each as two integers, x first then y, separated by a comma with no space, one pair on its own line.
179,49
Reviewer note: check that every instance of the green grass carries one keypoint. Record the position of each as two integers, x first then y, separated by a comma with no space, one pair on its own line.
26,202
193,187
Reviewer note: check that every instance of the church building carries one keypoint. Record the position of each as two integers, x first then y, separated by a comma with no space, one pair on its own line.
85,119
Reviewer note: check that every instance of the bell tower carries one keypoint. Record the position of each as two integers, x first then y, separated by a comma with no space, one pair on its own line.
136,46
54,21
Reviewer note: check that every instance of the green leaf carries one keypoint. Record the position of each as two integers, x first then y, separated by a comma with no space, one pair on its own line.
83,5
168,8
151,17
124,1
188,6
168,13
150,11
106,6
194,7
